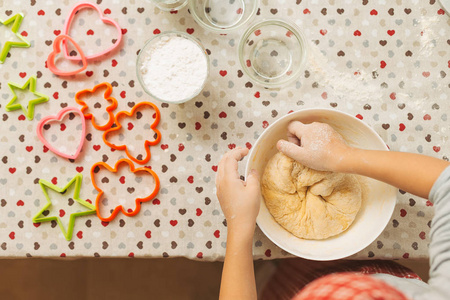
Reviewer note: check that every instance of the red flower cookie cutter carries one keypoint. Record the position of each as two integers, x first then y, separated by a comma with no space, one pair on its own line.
57,49
59,117
106,96
118,208
68,22
147,142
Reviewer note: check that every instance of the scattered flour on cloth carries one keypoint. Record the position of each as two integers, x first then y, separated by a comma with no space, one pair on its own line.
174,69
343,85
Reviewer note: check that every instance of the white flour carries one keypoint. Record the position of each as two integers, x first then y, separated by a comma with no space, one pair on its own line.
429,34
174,69
354,89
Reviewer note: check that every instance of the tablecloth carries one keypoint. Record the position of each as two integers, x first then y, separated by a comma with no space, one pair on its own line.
385,62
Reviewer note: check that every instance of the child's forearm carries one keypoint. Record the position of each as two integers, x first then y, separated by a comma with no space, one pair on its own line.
410,172
238,278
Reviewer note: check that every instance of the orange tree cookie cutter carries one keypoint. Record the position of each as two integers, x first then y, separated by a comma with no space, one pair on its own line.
147,142
138,201
106,96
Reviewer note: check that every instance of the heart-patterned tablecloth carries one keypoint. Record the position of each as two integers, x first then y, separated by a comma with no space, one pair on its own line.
385,62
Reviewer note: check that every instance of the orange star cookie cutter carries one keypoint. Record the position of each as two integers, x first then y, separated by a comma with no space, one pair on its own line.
120,208
147,142
106,96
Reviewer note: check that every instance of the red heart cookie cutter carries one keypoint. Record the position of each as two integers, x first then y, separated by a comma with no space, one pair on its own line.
106,96
138,201
147,142
105,20
57,49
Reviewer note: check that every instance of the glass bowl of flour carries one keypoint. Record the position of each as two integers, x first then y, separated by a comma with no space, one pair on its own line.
172,67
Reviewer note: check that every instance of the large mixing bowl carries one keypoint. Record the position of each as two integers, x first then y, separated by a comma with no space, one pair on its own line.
378,201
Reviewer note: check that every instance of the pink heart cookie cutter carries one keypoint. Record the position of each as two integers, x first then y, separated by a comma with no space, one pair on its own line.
59,116
57,49
105,20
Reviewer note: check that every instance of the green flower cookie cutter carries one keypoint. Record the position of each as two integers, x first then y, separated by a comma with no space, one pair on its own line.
31,84
16,20
76,196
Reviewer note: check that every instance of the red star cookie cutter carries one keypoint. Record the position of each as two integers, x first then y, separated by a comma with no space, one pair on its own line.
147,142
106,96
95,168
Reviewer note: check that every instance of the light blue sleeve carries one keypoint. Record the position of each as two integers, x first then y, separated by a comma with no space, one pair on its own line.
438,287
440,235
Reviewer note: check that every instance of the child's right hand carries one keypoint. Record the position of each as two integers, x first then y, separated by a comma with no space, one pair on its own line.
316,145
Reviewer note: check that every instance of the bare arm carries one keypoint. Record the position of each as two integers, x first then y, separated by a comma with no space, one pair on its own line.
239,201
410,172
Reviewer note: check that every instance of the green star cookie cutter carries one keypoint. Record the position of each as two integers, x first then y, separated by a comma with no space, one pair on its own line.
76,196
16,20
31,84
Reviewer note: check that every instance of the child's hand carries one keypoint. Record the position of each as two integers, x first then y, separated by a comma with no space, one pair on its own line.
239,199
315,145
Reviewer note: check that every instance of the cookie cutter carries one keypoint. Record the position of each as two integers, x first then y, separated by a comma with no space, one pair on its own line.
17,21
119,208
106,96
147,142
75,9
31,84
76,196
59,117
57,49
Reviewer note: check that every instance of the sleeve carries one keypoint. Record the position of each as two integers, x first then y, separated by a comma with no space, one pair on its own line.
440,235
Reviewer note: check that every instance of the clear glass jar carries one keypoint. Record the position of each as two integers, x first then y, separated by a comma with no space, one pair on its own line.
223,16
273,53
170,5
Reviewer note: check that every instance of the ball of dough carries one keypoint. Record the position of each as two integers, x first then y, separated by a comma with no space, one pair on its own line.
308,203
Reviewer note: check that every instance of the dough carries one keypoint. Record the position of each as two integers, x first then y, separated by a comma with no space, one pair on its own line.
308,203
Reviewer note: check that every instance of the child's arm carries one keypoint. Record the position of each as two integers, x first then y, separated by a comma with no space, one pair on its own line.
239,201
318,146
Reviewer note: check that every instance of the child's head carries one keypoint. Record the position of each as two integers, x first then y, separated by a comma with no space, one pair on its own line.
349,286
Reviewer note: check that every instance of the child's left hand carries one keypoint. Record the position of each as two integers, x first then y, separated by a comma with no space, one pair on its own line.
239,199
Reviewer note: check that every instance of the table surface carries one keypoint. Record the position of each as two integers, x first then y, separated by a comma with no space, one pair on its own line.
385,62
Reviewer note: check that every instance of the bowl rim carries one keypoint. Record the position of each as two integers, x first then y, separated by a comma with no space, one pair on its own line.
222,30
179,7
330,257
300,38
184,35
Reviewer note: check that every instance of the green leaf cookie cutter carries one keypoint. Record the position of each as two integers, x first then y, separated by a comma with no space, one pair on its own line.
76,196
31,84
17,21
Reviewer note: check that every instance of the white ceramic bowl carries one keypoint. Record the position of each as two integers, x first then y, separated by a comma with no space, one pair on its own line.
378,202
